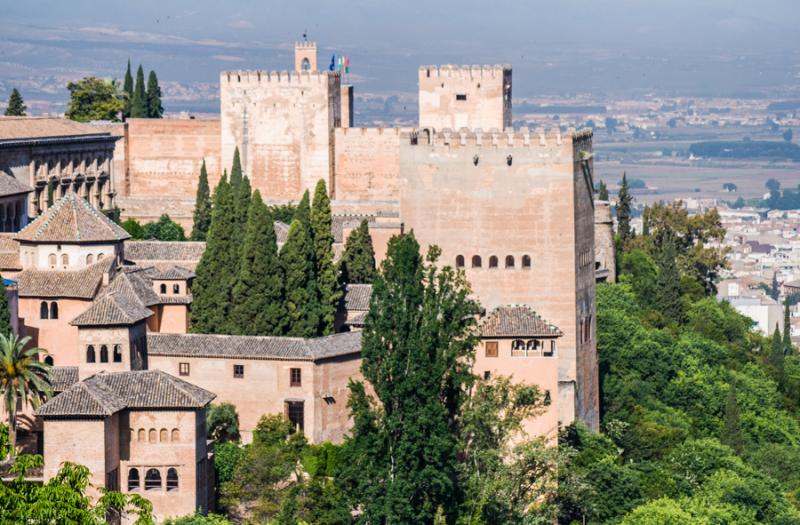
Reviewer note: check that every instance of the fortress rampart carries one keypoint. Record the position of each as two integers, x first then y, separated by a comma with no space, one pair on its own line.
465,72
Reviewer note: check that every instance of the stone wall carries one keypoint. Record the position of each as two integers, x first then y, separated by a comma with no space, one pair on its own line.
367,166
604,239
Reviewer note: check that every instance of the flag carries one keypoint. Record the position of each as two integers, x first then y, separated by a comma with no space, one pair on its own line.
341,62
347,63
333,62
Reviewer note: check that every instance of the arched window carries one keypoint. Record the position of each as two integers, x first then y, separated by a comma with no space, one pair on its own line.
64,260
176,288
49,360
476,261
493,261
162,436
44,311
459,261
134,483
172,479
90,355
534,346
103,354
176,435
509,261
90,259
51,259
99,256
152,480
141,435
54,310
163,288
306,66
117,354
518,347
151,435
526,261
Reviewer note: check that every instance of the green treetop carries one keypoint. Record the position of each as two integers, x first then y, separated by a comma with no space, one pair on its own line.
5,312
134,228
202,207
16,106
301,289
624,201
303,212
154,107
732,434
164,229
127,90
787,328
668,284
602,191
258,296
139,100
777,355
324,271
236,170
94,99
357,264
216,271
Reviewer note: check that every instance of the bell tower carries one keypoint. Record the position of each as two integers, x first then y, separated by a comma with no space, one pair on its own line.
305,56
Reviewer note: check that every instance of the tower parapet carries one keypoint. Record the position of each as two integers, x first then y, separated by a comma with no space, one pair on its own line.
305,56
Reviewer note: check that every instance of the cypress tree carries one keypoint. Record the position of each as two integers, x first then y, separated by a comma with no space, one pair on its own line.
668,284
358,260
154,107
777,355
202,207
258,302
16,106
243,196
602,191
732,434
127,89
775,291
236,171
139,100
303,212
328,292
624,201
5,311
216,271
296,259
787,328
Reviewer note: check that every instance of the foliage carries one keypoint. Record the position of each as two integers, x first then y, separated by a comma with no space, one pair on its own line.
222,423
5,311
153,95
139,100
602,191
357,264
16,106
94,99
134,228
201,219
198,519
258,296
283,212
325,275
729,186
24,379
296,258
668,301
164,229
127,91
623,209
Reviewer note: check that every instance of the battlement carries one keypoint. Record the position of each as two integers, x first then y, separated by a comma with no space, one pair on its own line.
258,77
522,138
464,72
305,45
372,132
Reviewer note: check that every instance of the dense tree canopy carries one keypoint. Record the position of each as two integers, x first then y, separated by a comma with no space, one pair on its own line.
325,274
16,106
201,219
95,99
357,264
164,229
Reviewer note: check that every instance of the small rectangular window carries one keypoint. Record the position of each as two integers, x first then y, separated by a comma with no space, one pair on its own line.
183,369
487,375
238,371
461,96
491,348
295,377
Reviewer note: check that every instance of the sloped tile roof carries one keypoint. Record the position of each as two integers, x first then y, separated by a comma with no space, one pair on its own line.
63,377
176,299
281,231
76,284
107,393
10,185
113,309
517,321
357,320
133,283
357,296
253,347
171,273
72,219
9,252
15,128
147,252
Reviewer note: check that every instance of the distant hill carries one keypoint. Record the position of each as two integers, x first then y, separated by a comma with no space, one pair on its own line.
747,149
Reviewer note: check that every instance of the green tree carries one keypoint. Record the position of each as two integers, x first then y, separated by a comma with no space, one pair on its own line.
134,228
623,207
258,296
401,461
668,300
777,355
243,195
787,328
236,171
199,519
217,269
94,99
139,101
328,291
24,380
775,290
5,312
164,229
153,95
222,422
602,191
357,264
296,258
201,219
127,91
732,434
16,106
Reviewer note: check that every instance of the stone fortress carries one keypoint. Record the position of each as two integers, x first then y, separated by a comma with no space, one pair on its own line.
513,208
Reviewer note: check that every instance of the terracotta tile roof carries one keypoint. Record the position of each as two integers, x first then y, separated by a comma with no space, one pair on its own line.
11,185
356,296
72,219
357,320
281,231
253,347
146,253
134,284
113,309
15,128
176,299
340,222
171,273
9,252
76,284
517,321
63,377
107,393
